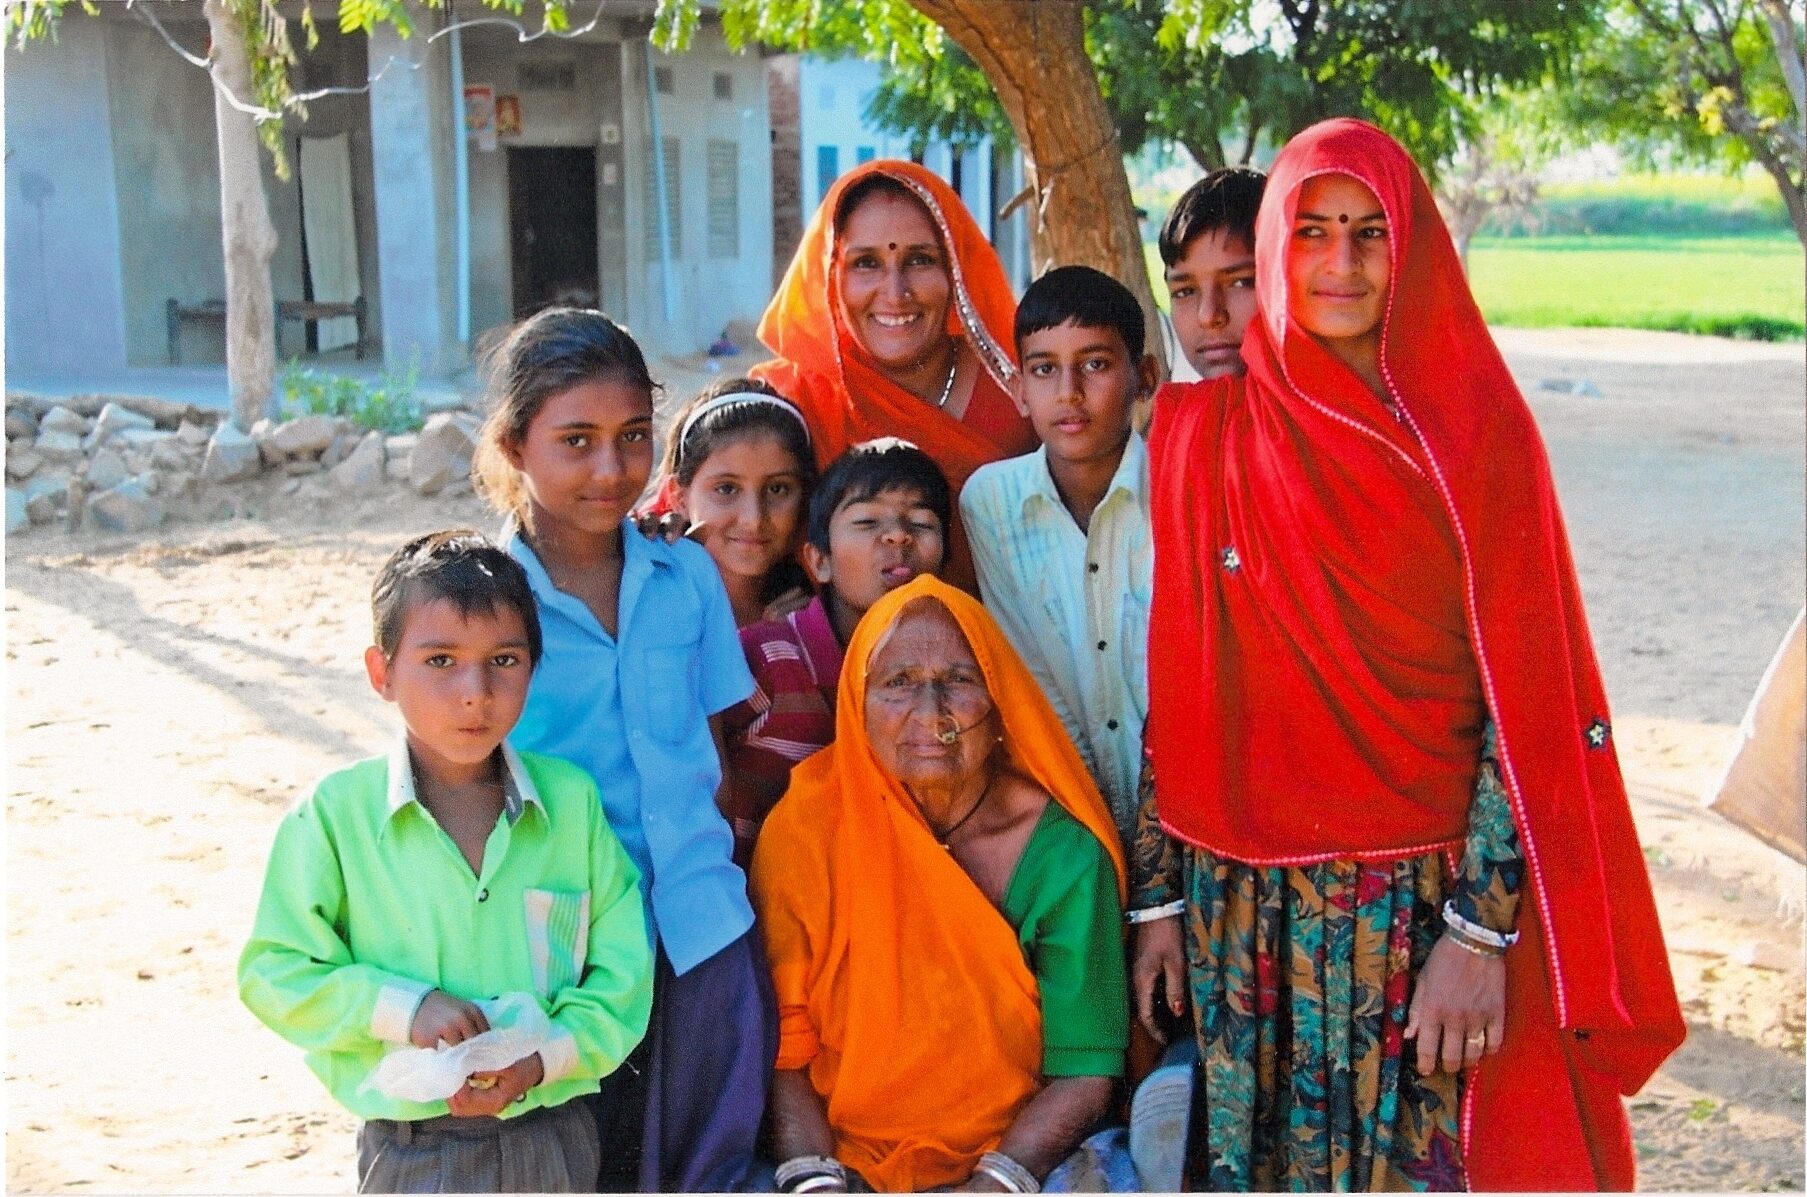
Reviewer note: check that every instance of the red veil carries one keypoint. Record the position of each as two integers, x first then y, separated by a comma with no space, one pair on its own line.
846,399
1341,595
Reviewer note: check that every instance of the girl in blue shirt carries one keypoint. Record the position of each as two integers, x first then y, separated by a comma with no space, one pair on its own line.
641,656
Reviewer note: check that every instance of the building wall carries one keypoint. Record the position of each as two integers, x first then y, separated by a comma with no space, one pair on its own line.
494,58
63,285
121,129
707,289
833,137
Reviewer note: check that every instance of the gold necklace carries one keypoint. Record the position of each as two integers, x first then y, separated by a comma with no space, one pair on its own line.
944,838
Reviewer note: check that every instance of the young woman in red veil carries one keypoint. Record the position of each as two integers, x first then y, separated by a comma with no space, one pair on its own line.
1413,919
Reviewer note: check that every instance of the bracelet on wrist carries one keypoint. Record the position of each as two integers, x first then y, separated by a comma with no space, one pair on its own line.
811,1174
1477,933
1006,1171
1479,949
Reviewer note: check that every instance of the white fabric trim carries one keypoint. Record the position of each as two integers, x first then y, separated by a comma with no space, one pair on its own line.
559,1055
396,1004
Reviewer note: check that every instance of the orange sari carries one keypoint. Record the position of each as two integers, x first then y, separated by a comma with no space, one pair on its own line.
846,398
900,987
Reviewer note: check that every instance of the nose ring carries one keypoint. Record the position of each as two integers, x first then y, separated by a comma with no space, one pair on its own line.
947,728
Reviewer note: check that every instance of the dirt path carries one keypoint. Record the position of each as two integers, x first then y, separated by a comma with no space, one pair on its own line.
169,697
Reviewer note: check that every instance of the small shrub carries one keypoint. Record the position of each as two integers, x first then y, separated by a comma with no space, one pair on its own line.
385,405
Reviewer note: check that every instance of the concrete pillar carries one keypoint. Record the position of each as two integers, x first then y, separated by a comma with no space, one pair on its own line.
412,123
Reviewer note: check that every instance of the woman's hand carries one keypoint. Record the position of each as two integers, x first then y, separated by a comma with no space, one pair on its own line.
1160,962
1458,1010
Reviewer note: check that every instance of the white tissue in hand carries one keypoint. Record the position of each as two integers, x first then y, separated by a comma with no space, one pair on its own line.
517,1028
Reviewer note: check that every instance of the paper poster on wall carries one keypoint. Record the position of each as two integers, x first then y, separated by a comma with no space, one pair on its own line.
611,135
508,116
480,115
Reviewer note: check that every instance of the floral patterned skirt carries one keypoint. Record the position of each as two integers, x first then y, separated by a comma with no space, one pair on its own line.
1301,979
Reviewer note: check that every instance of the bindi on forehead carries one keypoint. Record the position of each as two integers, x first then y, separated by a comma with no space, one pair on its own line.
891,246
1343,219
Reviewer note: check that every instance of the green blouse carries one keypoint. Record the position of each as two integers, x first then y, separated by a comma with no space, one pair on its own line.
1062,902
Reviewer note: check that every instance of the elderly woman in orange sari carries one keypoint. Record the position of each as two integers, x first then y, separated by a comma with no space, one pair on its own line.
894,319
941,892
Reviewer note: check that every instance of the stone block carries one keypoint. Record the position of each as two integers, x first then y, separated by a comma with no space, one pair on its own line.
142,439
397,452
20,422
56,445
363,468
231,455
336,452
50,481
193,432
106,469
443,453
128,507
114,419
22,461
305,437
42,509
298,466
169,454
62,419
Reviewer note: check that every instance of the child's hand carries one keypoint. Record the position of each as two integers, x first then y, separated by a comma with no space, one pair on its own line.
504,1086
443,1018
670,527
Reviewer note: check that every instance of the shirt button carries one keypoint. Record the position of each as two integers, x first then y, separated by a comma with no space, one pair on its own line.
1111,723
1092,566
1101,646
483,895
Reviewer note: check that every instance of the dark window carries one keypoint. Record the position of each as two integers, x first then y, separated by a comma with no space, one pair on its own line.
828,169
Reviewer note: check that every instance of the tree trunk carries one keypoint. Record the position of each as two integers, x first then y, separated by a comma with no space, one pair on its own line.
1788,52
250,238
1081,212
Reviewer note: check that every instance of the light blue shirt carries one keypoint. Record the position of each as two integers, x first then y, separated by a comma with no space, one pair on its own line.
1074,604
634,711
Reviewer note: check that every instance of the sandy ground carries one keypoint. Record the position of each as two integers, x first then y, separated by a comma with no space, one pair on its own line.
170,695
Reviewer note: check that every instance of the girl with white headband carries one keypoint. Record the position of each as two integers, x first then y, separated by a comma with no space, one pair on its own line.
738,467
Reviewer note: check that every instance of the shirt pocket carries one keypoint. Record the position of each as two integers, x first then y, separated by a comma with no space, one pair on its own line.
558,937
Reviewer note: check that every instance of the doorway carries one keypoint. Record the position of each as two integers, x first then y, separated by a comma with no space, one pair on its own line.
552,226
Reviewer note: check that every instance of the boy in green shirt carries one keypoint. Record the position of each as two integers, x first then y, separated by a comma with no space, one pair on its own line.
408,887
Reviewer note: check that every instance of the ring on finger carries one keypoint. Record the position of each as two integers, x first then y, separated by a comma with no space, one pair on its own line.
1477,1039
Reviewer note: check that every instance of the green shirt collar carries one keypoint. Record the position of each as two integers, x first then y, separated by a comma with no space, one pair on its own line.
518,789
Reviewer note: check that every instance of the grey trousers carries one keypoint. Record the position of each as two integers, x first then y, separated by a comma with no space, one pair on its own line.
543,1151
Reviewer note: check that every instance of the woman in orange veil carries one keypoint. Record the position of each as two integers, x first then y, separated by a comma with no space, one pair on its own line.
940,892
894,319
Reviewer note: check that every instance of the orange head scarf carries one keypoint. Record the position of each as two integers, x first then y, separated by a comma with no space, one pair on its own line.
1341,593
848,399
889,963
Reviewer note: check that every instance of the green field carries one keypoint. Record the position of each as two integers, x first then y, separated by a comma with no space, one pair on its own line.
1748,286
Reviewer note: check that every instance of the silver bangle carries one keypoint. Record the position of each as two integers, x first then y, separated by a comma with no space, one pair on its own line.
1007,1172
1475,931
1150,914
804,1171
